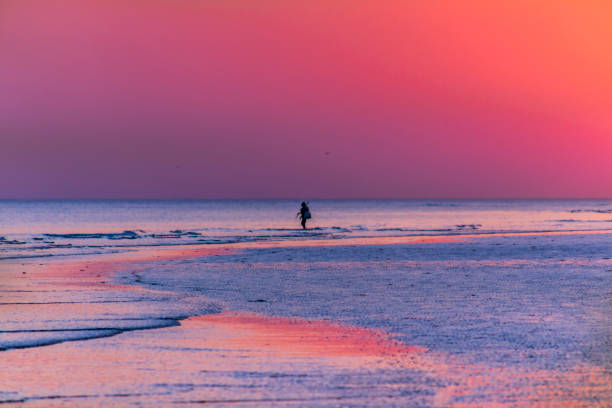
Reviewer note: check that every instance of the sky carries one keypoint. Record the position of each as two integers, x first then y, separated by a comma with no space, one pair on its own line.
315,99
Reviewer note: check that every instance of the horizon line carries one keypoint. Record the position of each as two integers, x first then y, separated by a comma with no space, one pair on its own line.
295,199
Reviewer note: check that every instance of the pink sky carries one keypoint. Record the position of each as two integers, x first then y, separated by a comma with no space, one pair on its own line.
237,99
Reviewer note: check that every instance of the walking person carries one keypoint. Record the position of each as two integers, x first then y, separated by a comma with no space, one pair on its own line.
304,214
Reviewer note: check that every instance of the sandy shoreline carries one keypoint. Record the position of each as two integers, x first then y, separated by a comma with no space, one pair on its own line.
43,302
236,357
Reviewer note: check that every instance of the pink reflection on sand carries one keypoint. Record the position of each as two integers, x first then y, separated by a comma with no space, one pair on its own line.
208,349
477,386
350,241
467,385
138,361
93,273
298,336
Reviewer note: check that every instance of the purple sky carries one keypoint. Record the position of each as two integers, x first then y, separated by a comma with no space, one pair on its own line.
162,99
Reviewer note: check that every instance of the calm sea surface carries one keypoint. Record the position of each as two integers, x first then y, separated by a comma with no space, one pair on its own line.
51,228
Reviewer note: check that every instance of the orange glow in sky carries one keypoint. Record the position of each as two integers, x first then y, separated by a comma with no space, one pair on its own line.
305,99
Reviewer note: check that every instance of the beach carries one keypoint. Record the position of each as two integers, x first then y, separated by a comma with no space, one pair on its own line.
305,204
469,317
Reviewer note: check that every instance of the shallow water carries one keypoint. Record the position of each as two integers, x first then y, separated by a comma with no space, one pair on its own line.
50,228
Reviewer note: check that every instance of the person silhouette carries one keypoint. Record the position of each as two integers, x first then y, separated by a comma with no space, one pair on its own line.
304,214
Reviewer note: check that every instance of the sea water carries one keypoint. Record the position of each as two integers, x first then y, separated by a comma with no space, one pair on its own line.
68,227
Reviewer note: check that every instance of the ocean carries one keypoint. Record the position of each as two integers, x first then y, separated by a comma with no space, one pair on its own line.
70,227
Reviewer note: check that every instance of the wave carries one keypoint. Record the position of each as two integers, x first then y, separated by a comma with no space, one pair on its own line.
468,226
85,243
64,328
15,339
414,230
597,211
459,227
3,258
334,228
441,204
47,255
109,235
11,242
574,220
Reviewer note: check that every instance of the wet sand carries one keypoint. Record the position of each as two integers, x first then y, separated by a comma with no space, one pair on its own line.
146,344
230,359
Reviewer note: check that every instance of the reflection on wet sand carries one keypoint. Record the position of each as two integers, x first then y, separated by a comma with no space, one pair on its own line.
248,358
298,337
456,384
225,358
76,299
237,358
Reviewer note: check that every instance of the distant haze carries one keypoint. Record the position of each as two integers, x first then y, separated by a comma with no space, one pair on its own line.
321,98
